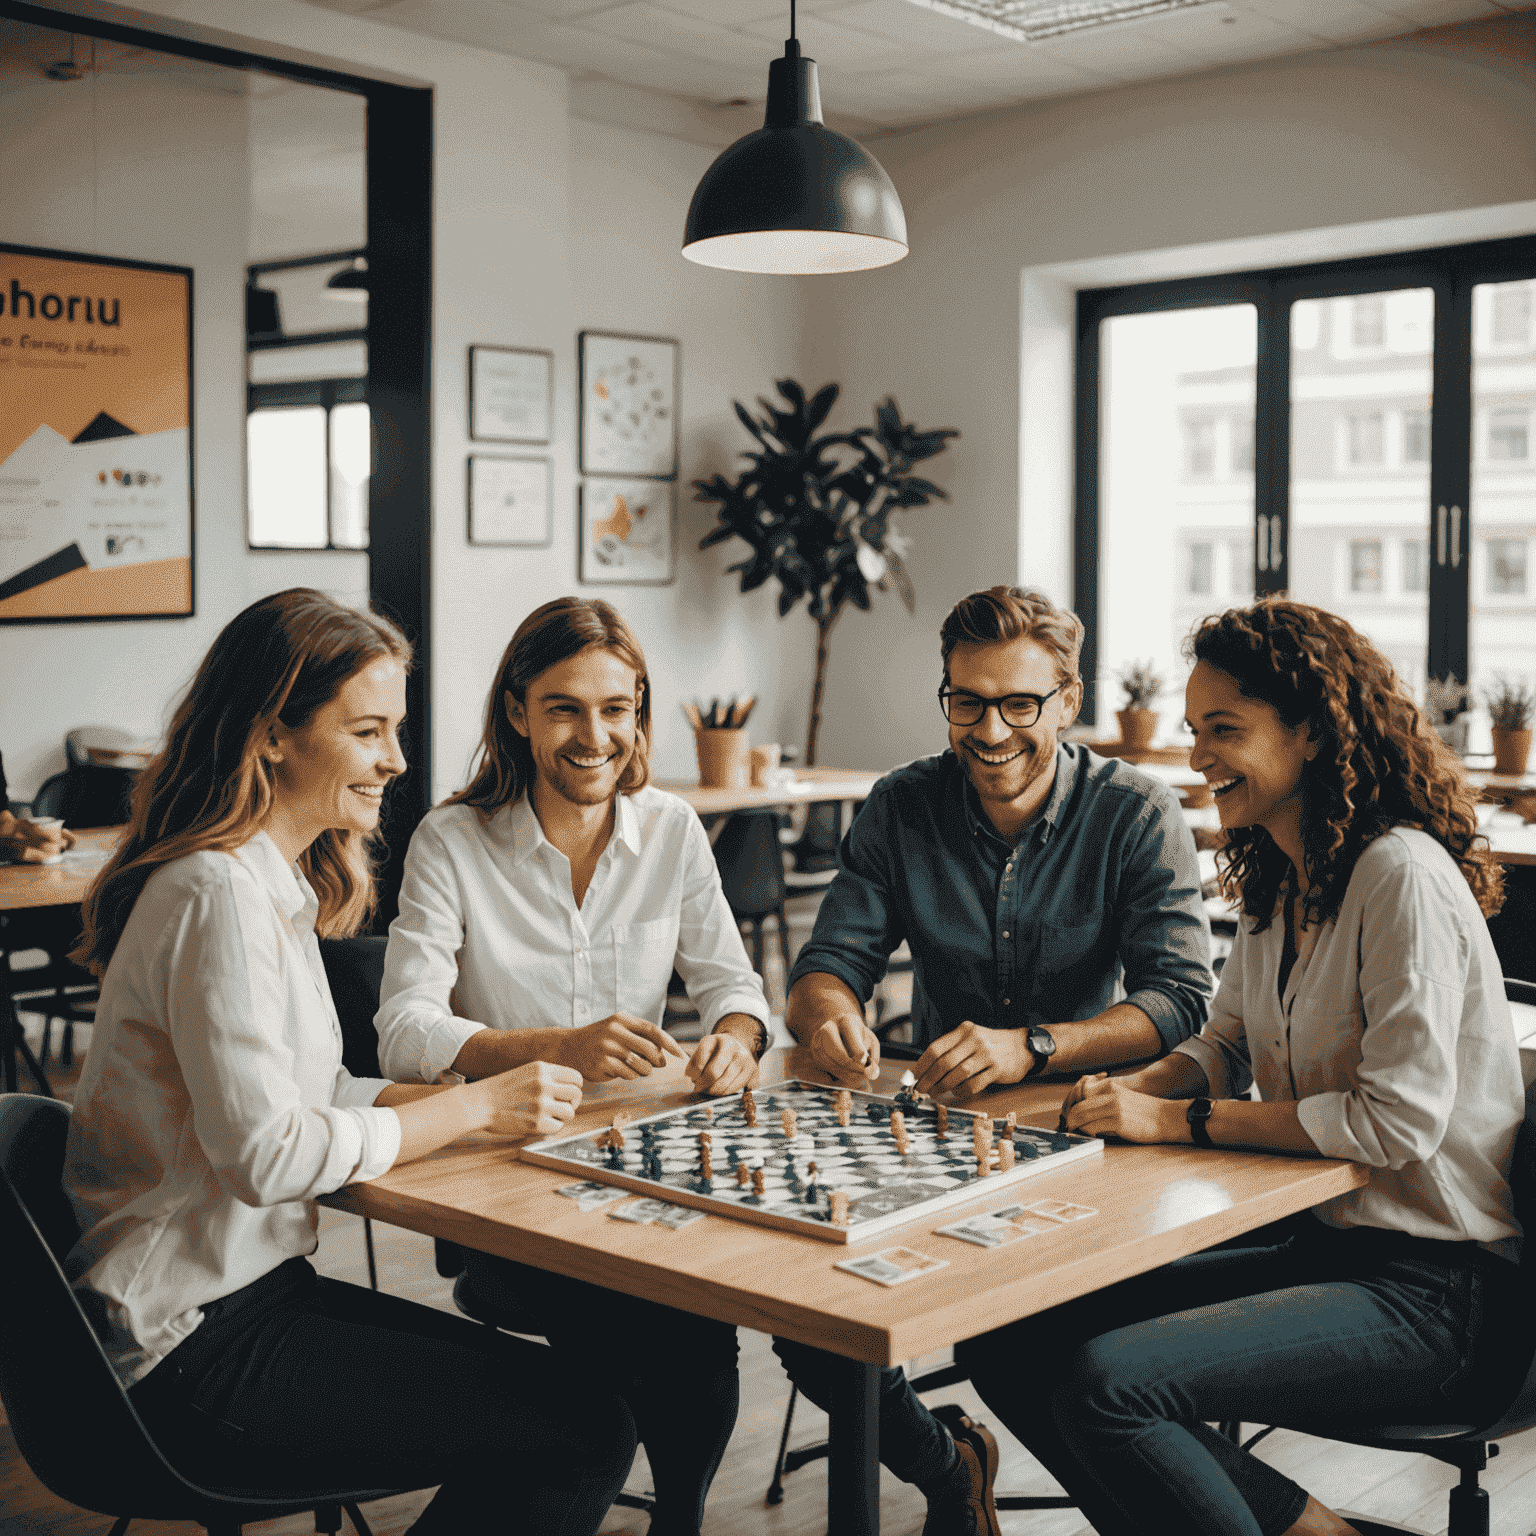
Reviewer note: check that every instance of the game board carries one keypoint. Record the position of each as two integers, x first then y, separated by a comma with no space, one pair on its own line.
661,1158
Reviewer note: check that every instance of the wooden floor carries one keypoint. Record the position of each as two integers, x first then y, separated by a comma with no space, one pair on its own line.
1410,1490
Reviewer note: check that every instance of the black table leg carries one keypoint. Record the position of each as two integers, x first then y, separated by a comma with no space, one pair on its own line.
853,1468
16,1042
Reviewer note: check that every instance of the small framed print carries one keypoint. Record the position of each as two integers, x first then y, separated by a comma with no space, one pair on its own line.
628,405
510,501
511,394
626,532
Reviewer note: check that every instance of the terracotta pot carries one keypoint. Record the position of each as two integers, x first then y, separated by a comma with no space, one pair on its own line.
1511,751
725,759
1137,728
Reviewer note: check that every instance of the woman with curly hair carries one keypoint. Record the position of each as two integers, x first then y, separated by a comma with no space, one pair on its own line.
1364,998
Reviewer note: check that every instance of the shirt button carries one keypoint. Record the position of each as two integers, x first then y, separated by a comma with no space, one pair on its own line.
1007,866
1007,1002
1006,934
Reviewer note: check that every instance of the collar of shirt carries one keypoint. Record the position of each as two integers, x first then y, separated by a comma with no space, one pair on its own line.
518,827
282,881
1041,827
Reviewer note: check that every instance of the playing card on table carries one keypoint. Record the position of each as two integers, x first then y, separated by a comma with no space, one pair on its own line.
1061,1210
590,1196
892,1266
660,1212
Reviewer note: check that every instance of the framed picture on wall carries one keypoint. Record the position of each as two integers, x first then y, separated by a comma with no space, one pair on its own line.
627,532
95,438
629,409
510,501
511,394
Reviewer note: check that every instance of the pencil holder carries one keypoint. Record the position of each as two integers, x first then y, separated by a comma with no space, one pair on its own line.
725,760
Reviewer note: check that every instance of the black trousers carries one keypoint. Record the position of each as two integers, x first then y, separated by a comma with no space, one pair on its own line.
297,1381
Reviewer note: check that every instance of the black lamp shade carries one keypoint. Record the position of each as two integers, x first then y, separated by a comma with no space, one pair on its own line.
261,314
350,283
795,196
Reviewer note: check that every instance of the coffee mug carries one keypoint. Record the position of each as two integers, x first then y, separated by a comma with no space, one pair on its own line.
764,761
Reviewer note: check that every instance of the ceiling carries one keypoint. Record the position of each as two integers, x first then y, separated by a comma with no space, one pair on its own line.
891,63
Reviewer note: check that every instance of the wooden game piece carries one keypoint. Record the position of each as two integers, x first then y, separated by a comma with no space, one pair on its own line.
706,1167
709,1112
844,1107
621,1118
941,1120
787,1122
983,1162
616,1139
749,1106
839,1208
742,1176
1011,1123
1004,1155
810,1171
759,1187
898,1123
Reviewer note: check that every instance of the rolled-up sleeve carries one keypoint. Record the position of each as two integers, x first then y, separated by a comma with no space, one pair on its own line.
419,1034
858,925
710,957
1221,1047
1413,974
1164,939
223,985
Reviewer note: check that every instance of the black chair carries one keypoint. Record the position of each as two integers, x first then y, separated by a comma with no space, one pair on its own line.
58,989
87,795
355,970
74,1424
751,863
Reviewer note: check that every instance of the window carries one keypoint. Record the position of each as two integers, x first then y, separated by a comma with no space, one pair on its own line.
307,465
1368,322
1199,574
1242,445
1511,315
1365,565
1506,567
1200,457
1415,565
1240,563
1416,437
1509,433
1364,438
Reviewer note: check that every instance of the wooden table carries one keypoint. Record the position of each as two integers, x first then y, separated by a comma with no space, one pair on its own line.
811,785
1155,1204
58,885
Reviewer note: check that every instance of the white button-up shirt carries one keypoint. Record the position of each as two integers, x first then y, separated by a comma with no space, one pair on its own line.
1395,1041
213,1108
489,933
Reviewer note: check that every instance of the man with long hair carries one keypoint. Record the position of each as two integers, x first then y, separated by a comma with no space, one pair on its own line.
543,910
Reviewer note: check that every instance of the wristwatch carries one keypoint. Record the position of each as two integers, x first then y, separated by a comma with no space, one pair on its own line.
759,1047
1042,1046
1197,1114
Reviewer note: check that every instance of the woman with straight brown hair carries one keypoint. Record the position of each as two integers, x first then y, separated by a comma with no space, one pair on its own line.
543,910
214,1110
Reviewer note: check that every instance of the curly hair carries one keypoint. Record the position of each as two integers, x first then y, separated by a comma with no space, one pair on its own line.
1379,764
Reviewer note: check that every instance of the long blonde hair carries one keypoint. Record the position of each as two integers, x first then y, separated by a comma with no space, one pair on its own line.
211,785
505,768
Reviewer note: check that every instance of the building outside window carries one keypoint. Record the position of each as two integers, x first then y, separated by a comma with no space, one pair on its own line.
1509,430
1416,437
1365,440
1365,565
1511,315
1507,567
1415,565
1200,448
1242,445
1368,321
1240,558
1198,576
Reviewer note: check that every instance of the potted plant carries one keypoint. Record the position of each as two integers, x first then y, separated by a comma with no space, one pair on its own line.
821,513
1510,709
1141,683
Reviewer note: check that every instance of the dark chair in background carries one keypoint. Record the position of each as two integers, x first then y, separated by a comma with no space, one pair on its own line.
751,863
87,795
74,1424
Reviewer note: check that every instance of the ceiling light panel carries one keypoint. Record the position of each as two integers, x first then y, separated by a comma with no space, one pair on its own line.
1037,21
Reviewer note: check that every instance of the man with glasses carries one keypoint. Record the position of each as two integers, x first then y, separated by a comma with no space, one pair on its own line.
1028,877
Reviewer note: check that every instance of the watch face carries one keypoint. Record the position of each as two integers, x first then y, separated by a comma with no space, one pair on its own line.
1042,1042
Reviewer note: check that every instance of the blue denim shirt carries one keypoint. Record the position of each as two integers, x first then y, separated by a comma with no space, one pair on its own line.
1102,885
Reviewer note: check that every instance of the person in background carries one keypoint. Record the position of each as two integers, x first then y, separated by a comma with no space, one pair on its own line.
22,841
543,910
1364,998
214,1109
1028,876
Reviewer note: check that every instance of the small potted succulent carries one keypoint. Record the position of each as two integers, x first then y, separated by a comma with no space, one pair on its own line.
1511,707
1141,683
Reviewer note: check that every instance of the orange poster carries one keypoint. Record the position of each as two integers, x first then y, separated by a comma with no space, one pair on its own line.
95,438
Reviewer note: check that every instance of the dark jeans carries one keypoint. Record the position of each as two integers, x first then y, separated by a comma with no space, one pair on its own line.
1114,1392
298,1381
677,1372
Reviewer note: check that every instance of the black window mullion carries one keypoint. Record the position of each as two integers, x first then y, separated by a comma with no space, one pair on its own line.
1450,479
1085,543
1272,445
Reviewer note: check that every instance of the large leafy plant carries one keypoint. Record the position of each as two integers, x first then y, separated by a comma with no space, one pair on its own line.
821,513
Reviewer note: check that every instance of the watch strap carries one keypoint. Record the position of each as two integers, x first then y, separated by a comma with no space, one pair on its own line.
1197,1114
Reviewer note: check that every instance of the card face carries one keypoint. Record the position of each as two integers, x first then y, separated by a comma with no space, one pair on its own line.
1061,1210
590,1196
892,1266
658,1212
994,1229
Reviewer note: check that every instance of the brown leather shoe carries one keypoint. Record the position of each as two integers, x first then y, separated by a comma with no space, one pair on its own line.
968,1508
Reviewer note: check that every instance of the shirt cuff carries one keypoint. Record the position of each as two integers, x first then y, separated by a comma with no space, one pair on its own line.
444,1040
1212,1060
360,1092
364,1144
743,1001
1164,1013
1323,1118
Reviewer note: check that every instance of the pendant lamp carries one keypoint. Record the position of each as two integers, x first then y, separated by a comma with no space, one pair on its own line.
351,282
795,197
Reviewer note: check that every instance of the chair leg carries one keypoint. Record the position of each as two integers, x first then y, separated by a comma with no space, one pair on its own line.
1469,1506
67,1044
222,1528
15,1044
373,1269
327,1519
358,1523
775,1494
121,1526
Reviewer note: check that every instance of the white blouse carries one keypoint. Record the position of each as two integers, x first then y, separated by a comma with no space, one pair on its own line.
1394,1040
213,1108
489,933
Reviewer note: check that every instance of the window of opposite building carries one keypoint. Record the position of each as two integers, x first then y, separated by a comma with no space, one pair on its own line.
1507,567
1416,437
1415,565
1509,432
1365,565
1365,438
1199,578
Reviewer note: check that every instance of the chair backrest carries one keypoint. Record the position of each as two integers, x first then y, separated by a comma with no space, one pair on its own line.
751,863
107,739
73,1422
86,796
355,969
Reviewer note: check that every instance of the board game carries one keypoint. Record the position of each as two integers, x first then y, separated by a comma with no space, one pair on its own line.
783,1157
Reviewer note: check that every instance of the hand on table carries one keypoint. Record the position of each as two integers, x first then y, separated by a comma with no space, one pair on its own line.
27,843
1100,1105
971,1058
721,1064
535,1100
619,1046
840,1047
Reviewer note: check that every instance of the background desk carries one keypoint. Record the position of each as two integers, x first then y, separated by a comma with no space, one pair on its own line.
58,885
812,786
1155,1204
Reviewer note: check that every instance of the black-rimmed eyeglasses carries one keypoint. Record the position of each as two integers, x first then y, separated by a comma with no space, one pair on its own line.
1020,710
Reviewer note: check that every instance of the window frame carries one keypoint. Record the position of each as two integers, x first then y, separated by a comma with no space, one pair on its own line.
292,394
1451,272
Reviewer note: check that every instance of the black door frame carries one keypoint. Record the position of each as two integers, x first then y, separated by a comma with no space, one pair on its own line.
399,242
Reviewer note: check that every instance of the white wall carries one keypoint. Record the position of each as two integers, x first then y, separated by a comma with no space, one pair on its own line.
1298,144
